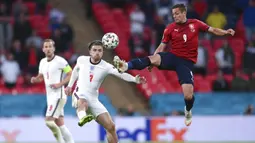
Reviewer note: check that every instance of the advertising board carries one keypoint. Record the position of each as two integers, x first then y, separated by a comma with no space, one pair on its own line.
204,128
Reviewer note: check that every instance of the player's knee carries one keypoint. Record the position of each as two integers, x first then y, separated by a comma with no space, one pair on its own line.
188,90
110,127
82,103
60,121
155,59
51,124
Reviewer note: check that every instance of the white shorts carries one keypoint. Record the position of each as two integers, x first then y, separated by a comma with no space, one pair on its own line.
55,107
95,106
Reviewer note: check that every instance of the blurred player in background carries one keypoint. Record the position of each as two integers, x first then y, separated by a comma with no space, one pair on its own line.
51,70
183,37
91,72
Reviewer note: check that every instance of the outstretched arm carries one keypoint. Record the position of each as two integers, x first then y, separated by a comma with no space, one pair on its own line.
216,31
127,77
221,32
74,76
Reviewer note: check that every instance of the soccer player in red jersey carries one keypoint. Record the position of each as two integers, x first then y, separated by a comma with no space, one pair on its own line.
182,35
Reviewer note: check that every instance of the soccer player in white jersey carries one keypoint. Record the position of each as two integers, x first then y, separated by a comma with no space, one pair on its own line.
91,72
51,70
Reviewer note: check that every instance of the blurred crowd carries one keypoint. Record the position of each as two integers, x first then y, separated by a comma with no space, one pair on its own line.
148,19
21,41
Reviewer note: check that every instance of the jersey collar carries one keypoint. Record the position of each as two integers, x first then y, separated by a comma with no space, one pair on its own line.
94,63
183,22
51,59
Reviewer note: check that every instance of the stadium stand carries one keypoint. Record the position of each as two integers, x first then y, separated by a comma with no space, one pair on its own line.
42,23
117,20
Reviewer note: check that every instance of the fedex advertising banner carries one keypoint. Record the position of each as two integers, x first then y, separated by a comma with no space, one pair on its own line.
215,128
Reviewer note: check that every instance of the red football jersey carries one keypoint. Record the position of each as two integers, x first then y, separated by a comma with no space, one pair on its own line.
183,38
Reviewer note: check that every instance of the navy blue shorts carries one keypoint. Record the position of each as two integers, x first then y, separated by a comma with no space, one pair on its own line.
182,67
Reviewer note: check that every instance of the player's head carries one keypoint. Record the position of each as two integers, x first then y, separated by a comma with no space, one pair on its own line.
48,47
96,49
179,13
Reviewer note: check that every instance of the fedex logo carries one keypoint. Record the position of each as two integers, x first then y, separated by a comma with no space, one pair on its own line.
152,131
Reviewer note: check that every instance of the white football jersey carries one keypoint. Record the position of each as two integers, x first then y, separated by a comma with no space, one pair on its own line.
91,76
53,73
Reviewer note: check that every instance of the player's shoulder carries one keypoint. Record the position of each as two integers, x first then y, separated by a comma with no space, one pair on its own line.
43,60
170,27
106,64
83,58
194,21
59,58
103,62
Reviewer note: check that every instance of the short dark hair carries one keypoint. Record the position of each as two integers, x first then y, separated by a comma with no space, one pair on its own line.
181,6
95,43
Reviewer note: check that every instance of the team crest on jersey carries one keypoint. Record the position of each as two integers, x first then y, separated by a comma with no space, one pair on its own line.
191,27
92,68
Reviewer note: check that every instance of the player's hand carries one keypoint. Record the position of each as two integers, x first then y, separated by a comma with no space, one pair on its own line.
68,90
55,86
33,80
231,32
140,79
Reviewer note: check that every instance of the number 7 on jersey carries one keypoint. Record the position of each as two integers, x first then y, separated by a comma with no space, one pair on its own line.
91,77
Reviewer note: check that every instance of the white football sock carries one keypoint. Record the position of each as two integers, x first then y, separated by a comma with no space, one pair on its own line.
81,114
66,134
55,130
